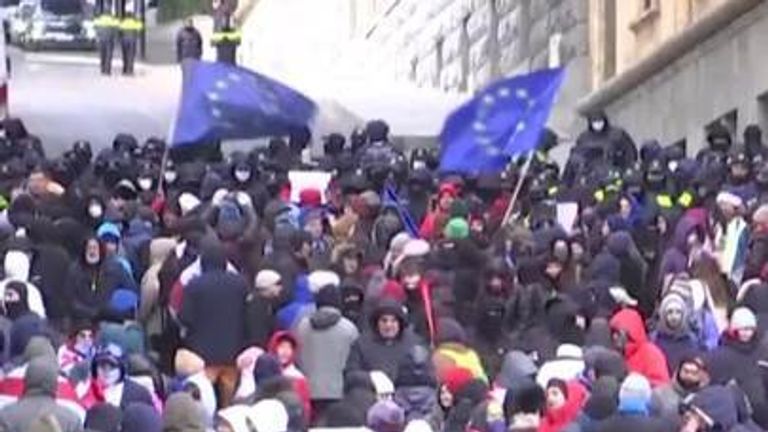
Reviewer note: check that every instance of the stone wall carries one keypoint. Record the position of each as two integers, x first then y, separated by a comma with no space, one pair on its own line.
461,45
722,74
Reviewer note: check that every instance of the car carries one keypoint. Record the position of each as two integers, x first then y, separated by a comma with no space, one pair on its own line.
40,24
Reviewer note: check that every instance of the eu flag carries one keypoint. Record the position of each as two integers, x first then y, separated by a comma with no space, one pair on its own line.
221,101
503,120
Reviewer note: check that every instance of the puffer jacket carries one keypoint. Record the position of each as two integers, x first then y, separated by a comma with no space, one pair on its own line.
642,355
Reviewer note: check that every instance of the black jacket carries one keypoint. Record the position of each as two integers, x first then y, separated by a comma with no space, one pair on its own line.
370,352
213,310
90,288
189,44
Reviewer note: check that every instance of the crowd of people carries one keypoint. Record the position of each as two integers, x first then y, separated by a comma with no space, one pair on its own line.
150,290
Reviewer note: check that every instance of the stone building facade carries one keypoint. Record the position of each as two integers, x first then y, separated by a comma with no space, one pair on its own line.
462,45
669,69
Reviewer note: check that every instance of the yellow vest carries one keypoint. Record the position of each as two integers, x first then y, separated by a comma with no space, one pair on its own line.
131,24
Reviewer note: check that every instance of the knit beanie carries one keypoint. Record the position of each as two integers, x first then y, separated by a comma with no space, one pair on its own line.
456,378
329,296
386,416
635,393
267,366
743,318
456,228
103,418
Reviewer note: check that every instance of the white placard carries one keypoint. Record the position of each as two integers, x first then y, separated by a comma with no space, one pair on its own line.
567,213
301,180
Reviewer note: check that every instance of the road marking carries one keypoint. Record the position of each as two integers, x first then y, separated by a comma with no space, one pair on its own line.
78,60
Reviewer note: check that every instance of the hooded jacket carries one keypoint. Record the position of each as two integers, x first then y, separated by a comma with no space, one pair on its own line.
676,344
415,388
213,310
716,405
290,371
642,356
13,386
326,338
183,414
554,420
371,352
39,398
675,259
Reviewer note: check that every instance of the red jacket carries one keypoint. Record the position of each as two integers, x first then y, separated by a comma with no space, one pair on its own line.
642,356
300,384
555,420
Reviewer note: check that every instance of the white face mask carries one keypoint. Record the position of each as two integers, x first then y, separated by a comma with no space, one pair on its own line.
242,175
95,211
598,125
170,176
144,183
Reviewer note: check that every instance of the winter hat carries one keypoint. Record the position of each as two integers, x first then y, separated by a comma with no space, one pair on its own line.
516,366
319,279
108,232
743,318
123,301
188,202
187,363
266,279
603,401
386,416
267,366
450,331
729,198
418,425
236,416
230,221
415,248
183,414
310,198
382,383
456,228
140,417
715,404
103,417
329,296
760,217
455,378
269,415
635,393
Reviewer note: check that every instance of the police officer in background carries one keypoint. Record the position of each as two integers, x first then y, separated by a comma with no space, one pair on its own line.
226,37
107,27
130,31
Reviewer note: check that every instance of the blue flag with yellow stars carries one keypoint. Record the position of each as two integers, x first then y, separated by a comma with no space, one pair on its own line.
503,120
221,101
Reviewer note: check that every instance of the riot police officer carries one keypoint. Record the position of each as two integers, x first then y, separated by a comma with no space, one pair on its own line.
226,37
130,31
107,27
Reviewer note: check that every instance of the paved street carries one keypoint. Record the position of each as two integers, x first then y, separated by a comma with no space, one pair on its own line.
61,97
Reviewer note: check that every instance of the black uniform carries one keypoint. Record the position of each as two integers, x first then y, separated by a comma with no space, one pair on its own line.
107,28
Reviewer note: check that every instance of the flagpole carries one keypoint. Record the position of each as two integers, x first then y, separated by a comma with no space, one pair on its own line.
518,188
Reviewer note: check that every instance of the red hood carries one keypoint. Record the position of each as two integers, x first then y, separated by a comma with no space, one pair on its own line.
280,336
629,321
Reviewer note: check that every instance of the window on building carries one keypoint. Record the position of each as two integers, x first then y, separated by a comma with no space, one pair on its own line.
609,39
648,5
464,54
730,120
438,62
762,110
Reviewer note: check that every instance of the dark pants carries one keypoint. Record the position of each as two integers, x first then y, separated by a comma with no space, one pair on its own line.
129,42
107,38
226,52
